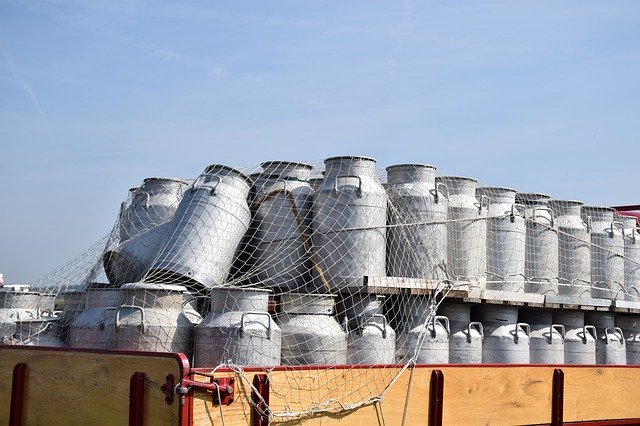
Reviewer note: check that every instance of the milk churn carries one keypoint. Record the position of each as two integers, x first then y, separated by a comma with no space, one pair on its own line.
417,215
610,343
206,230
607,252
547,338
350,218
151,319
506,235
310,334
282,234
73,305
130,261
506,341
238,329
631,258
371,340
152,204
574,249
630,326
423,335
579,339
18,303
89,329
541,247
465,340
259,179
466,232
43,331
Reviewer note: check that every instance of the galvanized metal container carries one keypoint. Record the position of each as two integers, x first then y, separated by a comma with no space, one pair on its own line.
207,229
152,204
18,303
370,340
44,331
130,261
541,247
73,305
350,218
282,234
151,319
310,333
574,249
466,232
422,336
417,215
238,330
607,252
547,337
506,239
630,326
579,339
631,258
610,343
466,336
89,329
506,340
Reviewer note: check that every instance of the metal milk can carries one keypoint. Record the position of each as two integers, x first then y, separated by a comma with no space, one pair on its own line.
423,336
310,333
73,305
631,258
238,330
349,223
152,204
506,340
574,249
465,340
630,326
44,331
370,339
506,235
547,338
466,232
282,235
89,329
541,248
417,215
17,303
610,343
579,339
607,252
206,230
151,319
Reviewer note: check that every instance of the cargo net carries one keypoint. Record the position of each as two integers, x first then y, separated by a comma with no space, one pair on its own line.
324,265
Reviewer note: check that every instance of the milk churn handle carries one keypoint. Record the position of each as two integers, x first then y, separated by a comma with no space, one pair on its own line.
557,327
143,327
526,328
636,230
384,324
199,178
102,321
255,313
613,331
436,194
616,224
482,198
442,320
335,183
46,311
478,326
515,210
594,332
284,182
543,208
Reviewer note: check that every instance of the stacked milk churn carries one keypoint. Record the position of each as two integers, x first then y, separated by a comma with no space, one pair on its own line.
506,231
27,317
607,251
631,258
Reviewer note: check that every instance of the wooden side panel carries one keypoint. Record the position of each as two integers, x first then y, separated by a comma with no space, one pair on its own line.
83,388
601,393
497,395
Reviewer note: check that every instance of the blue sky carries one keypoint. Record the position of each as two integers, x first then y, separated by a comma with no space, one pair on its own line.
97,95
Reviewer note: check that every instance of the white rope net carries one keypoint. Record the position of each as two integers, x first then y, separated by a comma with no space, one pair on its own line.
322,264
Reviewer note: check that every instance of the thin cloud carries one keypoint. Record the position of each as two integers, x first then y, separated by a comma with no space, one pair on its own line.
22,82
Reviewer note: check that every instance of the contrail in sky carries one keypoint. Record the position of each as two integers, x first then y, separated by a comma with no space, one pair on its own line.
22,82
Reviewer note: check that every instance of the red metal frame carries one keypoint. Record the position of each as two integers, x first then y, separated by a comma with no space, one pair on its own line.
18,385
557,398
436,398
260,399
136,399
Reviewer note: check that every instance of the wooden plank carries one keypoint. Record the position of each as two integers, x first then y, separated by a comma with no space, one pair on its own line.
87,388
597,393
